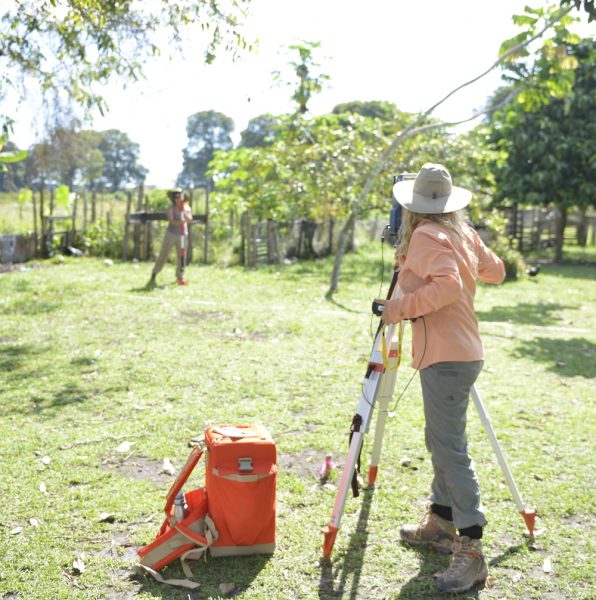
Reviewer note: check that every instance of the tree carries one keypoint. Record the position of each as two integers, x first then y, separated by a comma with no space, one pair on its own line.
121,155
306,70
207,132
375,109
509,51
71,48
550,150
260,131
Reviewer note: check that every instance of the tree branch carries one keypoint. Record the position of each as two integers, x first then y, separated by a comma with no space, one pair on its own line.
413,129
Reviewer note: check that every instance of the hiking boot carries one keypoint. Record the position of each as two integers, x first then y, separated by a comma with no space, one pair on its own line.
468,566
434,532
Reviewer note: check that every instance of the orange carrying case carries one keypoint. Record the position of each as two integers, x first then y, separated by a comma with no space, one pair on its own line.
241,468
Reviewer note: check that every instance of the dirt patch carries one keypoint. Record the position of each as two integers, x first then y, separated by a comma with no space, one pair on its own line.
139,467
305,464
202,315
12,267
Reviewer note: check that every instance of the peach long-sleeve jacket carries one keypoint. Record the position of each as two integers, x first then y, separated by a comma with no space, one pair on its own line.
438,281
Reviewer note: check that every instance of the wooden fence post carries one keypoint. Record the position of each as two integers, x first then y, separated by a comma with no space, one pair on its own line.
74,218
34,224
93,206
147,232
244,234
137,228
272,254
126,227
206,241
42,222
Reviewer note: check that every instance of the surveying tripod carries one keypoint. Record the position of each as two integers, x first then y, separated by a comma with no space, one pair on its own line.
378,386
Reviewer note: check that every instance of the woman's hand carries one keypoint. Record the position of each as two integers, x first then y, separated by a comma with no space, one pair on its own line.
390,312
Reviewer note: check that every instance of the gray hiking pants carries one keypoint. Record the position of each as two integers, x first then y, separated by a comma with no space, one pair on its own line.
169,241
446,391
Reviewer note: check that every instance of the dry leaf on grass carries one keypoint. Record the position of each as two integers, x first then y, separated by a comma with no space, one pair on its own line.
547,566
78,566
46,460
105,517
124,447
33,522
167,467
16,531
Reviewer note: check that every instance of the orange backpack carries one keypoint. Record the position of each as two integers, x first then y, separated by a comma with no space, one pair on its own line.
240,480
234,514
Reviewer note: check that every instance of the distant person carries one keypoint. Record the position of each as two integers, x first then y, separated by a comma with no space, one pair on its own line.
179,216
440,257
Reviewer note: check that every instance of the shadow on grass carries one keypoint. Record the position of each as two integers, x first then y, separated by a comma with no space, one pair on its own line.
333,584
18,362
525,313
570,271
568,358
30,307
241,570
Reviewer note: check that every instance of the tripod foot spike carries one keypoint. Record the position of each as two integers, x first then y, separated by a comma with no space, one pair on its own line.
529,516
330,533
372,475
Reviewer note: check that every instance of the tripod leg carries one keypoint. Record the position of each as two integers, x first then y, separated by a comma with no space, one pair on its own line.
385,395
366,404
528,515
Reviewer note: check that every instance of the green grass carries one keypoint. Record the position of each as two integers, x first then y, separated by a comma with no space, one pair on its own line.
89,358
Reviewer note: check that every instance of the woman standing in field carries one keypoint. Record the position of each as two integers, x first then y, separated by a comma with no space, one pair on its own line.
179,216
440,258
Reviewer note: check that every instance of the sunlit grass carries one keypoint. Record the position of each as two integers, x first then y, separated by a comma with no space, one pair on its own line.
89,358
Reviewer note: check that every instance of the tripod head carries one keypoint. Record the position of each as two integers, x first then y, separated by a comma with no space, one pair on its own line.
396,210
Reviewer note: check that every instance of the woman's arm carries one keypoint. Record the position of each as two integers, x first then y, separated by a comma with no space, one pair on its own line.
430,257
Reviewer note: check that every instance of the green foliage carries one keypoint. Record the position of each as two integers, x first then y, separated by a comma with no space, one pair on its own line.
207,132
260,131
120,156
75,47
102,240
62,196
314,169
310,80
547,73
386,111
25,195
548,153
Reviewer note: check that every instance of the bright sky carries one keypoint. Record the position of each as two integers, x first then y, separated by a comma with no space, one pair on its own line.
405,52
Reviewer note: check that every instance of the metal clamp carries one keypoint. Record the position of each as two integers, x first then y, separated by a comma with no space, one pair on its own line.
245,464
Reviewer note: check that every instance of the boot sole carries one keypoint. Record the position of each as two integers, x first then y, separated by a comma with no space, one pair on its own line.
464,588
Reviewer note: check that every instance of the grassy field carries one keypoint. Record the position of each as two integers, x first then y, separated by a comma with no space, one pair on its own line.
90,359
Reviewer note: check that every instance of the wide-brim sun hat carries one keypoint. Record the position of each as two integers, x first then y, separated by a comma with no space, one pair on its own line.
174,191
432,192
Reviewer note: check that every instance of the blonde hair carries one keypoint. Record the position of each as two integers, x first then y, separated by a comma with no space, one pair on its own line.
453,221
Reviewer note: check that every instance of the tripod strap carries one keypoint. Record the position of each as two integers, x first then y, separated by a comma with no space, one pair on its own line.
356,423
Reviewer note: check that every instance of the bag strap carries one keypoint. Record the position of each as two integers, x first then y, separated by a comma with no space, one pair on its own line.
179,582
191,462
203,543
211,535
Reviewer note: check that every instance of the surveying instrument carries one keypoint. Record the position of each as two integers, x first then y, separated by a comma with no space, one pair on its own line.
378,388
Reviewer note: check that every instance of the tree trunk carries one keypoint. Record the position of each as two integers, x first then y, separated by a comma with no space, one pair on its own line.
582,227
344,237
560,237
